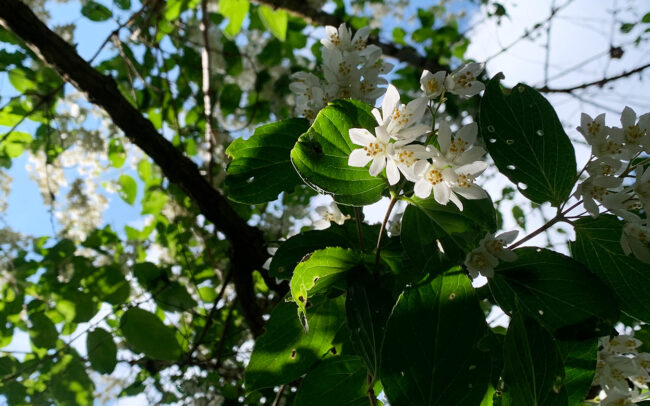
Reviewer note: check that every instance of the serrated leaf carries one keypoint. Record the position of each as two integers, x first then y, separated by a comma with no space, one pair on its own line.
128,188
42,332
319,271
527,142
234,11
102,351
146,333
335,381
321,155
95,11
431,354
533,370
285,351
427,226
557,290
598,245
275,21
261,166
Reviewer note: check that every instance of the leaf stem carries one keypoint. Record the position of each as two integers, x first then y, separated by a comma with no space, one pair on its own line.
371,391
393,200
357,217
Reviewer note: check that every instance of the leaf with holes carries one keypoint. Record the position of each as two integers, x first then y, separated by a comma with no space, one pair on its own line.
527,142
557,290
319,271
533,372
321,154
431,354
428,226
285,351
261,166
335,381
598,245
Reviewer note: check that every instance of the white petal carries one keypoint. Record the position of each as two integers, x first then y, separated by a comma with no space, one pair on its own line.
377,165
508,236
468,133
359,158
413,132
444,136
471,155
441,192
361,136
474,192
474,168
458,203
382,134
391,98
628,117
377,114
392,172
422,189
321,224
417,107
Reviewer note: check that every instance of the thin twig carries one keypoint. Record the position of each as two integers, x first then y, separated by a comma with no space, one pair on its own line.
357,217
393,200
600,83
276,401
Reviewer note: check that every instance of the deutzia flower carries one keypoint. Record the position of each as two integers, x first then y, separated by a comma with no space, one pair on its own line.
635,239
462,182
636,134
459,150
432,84
328,215
400,120
343,41
605,167
463,81
480,261
620,364
376,149
431,177
595,189
642,187
497,245
593,129
405,157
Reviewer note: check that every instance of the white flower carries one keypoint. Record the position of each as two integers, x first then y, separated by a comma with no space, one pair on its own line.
496,245
401,121
462,182
595,189
431,177
328,215
593,129
342,39
405,157
642,186
604,167
635,239
376,149
459,150
622,344
463,81
480,261
432,84
635,134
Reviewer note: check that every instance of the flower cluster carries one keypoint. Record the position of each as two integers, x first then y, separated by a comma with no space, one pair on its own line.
463,81
447,171
621,370
329,214
491,249
351,69
615,153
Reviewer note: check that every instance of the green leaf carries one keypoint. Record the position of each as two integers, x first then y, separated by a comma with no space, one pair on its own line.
519,216
22,80
646,18
319,271
234,11
261,166
533,370
367,307
102,351
321,155
335,381
174,297
108,284
427,225
431,354
123,4
128,189
14,144
579,359
153,202
285,351
43,332
146,333
527,142
95,11
229,99
557,290
116,153
274,21
398,35
598,245
70,384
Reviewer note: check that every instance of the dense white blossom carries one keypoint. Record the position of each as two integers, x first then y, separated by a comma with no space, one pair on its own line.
619,365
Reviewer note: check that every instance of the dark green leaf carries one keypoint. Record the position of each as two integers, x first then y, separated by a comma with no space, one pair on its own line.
275,21
42,332
70,384
431,354
146,333
427,225
102,351
335,381
398,35
128,188
519,216
321,154
557,290
108,284
261,166
527,142
579,359
123,4
174,297
286,351
229,100
95,11
533,370
319,271
598,245
646,18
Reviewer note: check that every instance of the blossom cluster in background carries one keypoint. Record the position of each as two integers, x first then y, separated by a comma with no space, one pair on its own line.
351,69
622,371
616,153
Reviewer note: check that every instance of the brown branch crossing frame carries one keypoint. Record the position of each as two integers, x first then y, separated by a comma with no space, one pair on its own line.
247,243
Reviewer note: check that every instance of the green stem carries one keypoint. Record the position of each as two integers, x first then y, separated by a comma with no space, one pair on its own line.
393,200
357,215
371,391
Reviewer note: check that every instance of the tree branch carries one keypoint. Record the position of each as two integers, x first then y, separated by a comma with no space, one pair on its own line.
303,9
600,83
248,248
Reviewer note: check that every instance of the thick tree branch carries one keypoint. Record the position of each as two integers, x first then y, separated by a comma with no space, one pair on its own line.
248,248
600,83
303,9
